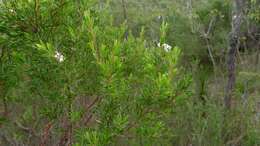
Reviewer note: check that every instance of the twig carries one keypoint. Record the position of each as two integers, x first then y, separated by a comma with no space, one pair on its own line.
26,129
89,107
46,133
8,140
93,103
235,141
206,37
37,15
19,125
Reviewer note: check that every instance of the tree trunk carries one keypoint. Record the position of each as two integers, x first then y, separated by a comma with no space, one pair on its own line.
125,18
237,19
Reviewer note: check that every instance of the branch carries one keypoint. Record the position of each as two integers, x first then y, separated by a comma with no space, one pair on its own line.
93,103
45,135
235,141
206,38
8,140
26,129
89,107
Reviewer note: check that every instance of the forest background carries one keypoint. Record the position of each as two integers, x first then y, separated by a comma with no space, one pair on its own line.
129,72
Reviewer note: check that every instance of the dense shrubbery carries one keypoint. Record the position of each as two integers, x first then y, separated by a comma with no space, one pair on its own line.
73,74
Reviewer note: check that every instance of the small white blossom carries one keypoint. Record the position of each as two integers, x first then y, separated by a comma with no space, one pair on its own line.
159,17
59,57
11,11
167,47
159,44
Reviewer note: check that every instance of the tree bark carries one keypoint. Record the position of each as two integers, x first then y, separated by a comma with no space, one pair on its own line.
125,18
237,19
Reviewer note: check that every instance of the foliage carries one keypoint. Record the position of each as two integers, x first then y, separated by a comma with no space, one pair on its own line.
70,76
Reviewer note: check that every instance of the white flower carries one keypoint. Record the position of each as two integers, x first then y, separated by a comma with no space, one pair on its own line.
159,44
59,57
167,47
11,11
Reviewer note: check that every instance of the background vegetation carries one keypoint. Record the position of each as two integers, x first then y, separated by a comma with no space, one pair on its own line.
129,73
